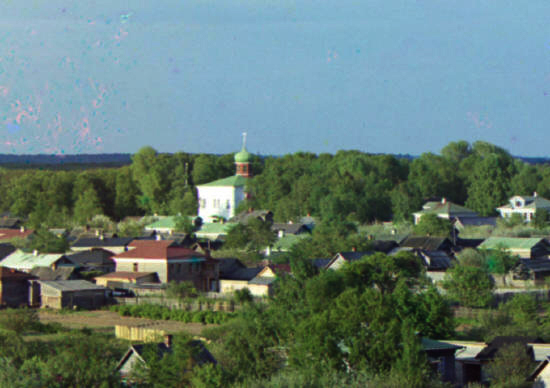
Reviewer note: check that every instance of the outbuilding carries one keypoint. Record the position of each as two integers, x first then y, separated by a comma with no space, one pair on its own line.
68,294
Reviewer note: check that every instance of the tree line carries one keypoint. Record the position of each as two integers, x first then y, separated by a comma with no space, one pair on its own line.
347,186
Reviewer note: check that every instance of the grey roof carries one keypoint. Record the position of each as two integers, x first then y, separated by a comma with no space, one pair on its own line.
106,242
353,256
476,221
290,228
92,257
228,266
71,285
436,260
383,245
47,273
201,355
242,274
9,223
244,217
320,263
425,242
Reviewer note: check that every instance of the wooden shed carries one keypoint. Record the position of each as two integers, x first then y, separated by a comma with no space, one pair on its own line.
68,294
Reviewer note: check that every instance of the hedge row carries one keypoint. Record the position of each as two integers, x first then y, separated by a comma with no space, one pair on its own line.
153,311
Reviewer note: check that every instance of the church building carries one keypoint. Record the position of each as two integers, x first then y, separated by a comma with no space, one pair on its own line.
220,198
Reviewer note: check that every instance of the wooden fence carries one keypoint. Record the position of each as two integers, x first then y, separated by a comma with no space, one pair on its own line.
139,334
177,304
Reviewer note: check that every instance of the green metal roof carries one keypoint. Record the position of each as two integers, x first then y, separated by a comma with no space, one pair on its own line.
24,260
235,181
509,243
287,241
444,208
168,222
215,228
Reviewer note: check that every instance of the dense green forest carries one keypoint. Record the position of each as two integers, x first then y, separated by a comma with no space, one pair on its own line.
347,186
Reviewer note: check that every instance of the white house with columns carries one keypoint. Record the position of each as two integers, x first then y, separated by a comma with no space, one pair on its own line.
526,206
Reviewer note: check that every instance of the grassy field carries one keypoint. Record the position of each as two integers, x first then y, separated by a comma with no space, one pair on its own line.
105,321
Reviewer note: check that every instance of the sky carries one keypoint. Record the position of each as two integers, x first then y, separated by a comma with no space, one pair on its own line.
110,76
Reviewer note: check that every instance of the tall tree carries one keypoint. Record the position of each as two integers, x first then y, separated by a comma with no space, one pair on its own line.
86,206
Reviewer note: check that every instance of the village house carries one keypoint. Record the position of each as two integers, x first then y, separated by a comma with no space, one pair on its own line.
525,206
345,257
112,244
444,209
14,287
24,261
472,360
95,259
122,279
235,276
135,356
170,262
9,234
523,247
60,294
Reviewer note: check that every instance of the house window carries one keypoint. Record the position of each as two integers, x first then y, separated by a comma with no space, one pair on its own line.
228,205
135,267
195,267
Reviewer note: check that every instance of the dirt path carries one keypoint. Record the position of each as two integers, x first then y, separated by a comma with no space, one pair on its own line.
108,319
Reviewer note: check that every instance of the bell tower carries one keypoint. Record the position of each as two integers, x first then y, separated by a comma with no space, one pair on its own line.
242,161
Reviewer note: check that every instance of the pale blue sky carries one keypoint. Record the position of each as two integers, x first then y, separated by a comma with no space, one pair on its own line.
378,76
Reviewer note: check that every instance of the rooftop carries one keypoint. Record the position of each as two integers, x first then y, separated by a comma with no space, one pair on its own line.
232,181
71,285
152,249
445,207
8,234
510,243
24,260
125,275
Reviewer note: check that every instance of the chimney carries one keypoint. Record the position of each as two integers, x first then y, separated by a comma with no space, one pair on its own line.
443,200
168,340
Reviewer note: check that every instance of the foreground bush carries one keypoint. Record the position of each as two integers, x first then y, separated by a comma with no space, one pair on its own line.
161,312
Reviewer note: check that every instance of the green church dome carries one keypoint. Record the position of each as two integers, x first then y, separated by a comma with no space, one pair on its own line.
243,156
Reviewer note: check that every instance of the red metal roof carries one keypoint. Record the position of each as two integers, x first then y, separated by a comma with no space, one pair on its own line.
125,275
153,249
278,268
8,234
13,274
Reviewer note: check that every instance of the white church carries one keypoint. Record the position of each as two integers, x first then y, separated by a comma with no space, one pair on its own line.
220,198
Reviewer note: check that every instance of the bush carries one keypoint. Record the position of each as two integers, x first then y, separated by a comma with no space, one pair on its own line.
243,295
152,311
19,320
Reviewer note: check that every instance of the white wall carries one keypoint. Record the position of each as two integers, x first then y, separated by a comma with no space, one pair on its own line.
219,200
